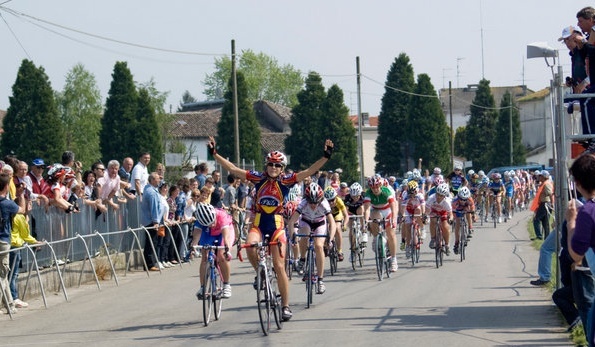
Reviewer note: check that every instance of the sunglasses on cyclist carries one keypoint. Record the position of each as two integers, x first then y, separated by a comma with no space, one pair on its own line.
331,200
277,165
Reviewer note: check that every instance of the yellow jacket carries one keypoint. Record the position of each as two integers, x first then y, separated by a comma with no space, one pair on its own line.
20,232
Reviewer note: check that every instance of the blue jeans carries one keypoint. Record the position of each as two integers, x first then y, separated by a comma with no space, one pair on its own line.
15,261
583,291
548,248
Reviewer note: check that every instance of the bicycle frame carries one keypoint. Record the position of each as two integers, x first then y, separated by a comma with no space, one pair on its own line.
212,283
355,237
382,260
309,273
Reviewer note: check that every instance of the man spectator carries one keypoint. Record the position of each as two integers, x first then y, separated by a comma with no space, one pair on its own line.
140,173
151,214
217,192
125,173
110,184
541,205
8,209
201,171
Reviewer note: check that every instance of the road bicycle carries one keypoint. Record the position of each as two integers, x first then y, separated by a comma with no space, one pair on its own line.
268,299
415,241
212,284
333,252
380,243
310,276
463,234
440,244
494,211
357,247
290,261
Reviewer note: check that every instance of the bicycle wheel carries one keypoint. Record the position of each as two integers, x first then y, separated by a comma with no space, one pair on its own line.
288,260
412,245
333,259
481,213
262,300
218,283
494,218
309,277
379,257
463,242
438,246
207,300
275,300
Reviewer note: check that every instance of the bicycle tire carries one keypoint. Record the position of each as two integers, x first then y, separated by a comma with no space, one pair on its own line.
412,245
262,300
379,257
207,301
353,248
481,213
360,256
309,277
288,260
333,259
462,237
217,301
275,304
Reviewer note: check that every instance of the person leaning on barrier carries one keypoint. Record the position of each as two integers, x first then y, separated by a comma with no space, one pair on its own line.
151,217
8,209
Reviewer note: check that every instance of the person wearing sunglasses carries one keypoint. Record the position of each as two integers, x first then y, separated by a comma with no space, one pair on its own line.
271,186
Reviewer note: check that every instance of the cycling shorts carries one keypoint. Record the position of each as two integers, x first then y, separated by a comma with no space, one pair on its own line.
316,228
269,224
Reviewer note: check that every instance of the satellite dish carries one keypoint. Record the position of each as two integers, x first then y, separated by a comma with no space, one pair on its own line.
540,50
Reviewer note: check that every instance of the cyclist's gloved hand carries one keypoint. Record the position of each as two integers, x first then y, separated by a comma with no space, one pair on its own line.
424,218
211,146
328,149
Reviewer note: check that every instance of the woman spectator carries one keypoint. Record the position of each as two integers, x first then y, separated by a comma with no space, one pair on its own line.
90,197
177,240
164,241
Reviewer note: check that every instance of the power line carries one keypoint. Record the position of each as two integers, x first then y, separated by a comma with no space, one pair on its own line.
20,14
15,36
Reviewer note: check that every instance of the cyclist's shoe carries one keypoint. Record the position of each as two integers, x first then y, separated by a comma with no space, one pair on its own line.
402,245
423,234
199,294
340,256
226,293
300,267
408,252
456,248
500,219
510,216
320,288
374,245
446,250
255,283
393,264
485,219
433,243
364,239
469,235
286,313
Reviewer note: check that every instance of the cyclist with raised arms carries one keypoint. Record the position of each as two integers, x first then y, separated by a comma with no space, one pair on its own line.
354,201
217,226
440,207
380,203
461,205
340,214
271,187
316,216
413,206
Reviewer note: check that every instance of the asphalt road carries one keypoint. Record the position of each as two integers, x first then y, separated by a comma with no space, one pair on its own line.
485,301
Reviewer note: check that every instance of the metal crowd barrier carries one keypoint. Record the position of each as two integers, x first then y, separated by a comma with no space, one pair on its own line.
72,240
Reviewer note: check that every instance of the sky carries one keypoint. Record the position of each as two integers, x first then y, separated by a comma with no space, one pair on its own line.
461,41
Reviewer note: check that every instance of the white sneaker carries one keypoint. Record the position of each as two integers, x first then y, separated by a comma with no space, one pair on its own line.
499,219
161,266
226,293
18,303
423,234
169,264
393,265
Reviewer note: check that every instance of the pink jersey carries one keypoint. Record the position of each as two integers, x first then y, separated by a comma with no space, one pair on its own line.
412,202
438,208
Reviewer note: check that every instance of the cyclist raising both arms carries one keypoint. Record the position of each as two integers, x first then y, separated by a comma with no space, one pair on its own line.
271,188
380,203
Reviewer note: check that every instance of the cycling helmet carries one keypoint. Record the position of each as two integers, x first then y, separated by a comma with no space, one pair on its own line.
438,180
205,214
276,157
458,167
375,181
443,189
470,173
464,193
355,189
290,208
56,171
506,174
330,193
291,196
412,187
313,193
496,176
404,183
409,175
437,171
296,189
416,175
481,173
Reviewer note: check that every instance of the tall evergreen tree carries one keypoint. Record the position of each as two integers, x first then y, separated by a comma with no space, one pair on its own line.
148,135
481,128
339,128
427,130
459,143
393,116
118,128
250,146
80,109
306,124
32,126
501,142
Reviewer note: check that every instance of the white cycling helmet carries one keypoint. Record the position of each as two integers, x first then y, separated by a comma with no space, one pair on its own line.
443,189
437,171
330,193
464,193
355,189
470,172
481,173
205,214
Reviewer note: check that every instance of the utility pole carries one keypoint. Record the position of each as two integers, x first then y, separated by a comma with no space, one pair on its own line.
510,125
452,132
360,124
236,121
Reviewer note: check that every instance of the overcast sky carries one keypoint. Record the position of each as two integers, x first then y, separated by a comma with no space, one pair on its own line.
442,38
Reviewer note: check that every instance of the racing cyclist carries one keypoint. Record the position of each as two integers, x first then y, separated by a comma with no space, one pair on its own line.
413,206
340,214
461,206
440,208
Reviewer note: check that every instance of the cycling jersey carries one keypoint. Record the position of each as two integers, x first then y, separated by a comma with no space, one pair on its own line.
215,232
316,215
411,202
442,208
353,205
496,187
381,201
268,202
456,181
509,187
337,209
460,206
